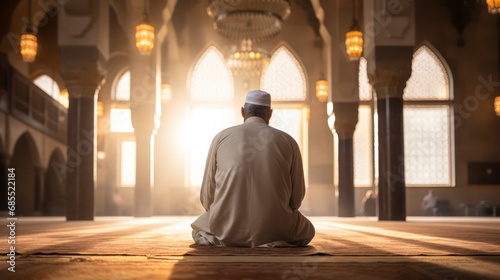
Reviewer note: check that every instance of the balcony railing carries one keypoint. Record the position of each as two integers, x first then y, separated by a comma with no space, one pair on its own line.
31,105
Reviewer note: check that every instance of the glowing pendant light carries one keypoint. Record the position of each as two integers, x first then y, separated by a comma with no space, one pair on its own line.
145,34
354,38
322,90
354,42
28,47
29,42
493,6
497,105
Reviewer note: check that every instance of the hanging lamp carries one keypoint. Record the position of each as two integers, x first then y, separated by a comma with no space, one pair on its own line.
354,38
322,90
497,105
493,6
29,42
322,83
145,33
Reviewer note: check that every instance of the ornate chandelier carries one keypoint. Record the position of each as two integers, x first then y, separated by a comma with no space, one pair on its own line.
257,20
247,59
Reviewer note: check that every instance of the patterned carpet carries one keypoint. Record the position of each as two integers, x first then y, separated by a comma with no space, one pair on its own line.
171,236
128,248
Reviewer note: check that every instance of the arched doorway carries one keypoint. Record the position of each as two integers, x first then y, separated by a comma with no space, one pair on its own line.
25,160
54,193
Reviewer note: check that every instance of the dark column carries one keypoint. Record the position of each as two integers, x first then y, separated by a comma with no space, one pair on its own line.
84,50
80,180
389,52
346,178
81,71
391,189
346,118
389,85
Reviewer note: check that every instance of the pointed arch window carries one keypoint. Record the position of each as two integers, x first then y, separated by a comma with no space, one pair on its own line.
428,134
211,110
284,77
429,79
285,80
212,79
427,117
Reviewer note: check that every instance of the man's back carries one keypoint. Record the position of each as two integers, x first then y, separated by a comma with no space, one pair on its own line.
252,187
253,195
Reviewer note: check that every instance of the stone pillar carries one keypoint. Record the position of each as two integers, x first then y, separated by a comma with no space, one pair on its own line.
81,139
83,40
389,86
144,97
389,40
345,97
346,118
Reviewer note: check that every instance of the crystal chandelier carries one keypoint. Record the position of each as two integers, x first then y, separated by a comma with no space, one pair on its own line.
247,60
493,6
145,34
257,20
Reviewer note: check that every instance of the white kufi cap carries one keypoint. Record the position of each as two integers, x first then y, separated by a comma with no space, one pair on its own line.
258,97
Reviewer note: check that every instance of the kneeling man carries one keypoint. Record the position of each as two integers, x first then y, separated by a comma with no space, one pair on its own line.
253,184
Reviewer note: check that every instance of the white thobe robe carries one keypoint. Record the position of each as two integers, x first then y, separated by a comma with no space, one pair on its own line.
253,187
